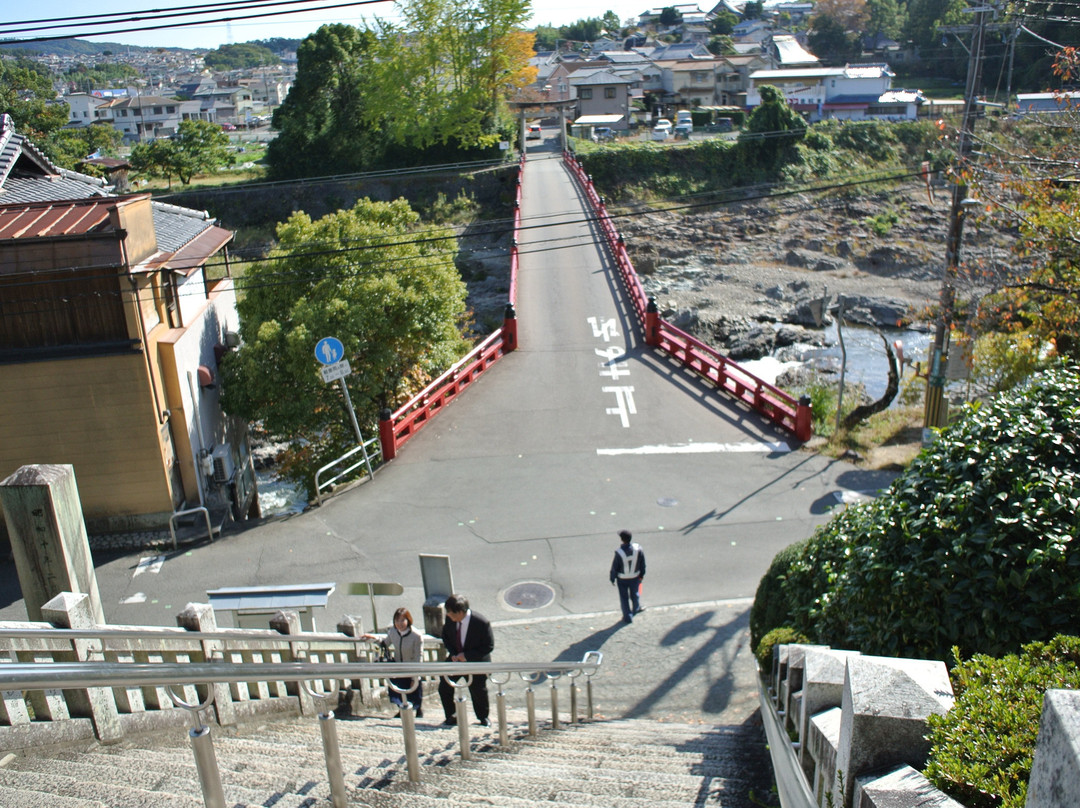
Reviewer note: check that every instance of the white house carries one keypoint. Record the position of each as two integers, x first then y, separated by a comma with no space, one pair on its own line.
1043,103
853,92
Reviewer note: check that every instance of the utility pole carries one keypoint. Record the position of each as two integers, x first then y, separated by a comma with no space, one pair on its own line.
935,412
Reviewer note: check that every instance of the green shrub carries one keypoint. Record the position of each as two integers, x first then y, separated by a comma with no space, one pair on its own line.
975,545
882,223
778,636
982,749
772,606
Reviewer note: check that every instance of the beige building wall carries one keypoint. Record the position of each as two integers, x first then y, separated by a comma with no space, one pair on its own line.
96,414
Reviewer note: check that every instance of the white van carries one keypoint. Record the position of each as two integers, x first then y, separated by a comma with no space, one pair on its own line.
683,116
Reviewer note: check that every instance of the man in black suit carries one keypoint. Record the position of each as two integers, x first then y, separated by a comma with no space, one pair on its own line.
468,638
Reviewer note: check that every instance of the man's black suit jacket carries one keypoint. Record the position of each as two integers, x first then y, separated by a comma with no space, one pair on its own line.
479,640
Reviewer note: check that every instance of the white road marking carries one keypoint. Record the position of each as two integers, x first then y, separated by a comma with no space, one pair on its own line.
603,328
698,448
625,406
138,597
149,564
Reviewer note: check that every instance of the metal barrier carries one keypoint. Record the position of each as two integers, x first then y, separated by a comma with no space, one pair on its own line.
341,475
779,407
199,509
52,677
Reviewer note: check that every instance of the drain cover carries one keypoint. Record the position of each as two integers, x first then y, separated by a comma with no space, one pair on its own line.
529,595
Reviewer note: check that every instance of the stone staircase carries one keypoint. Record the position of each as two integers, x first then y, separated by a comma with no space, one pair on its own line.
623,763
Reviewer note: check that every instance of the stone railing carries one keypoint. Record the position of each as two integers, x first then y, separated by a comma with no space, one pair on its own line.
70,633
849,731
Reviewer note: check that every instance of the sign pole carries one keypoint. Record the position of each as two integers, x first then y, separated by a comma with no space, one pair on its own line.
356,426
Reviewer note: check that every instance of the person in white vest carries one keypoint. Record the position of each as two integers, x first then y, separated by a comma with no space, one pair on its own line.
628,571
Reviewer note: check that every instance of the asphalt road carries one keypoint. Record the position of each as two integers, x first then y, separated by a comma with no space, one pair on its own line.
529,475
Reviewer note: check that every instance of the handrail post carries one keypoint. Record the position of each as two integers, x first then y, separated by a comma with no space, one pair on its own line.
408,727
202,746
554,700
500,707
461,714
331,746
588,698
530,700
573,696
332,752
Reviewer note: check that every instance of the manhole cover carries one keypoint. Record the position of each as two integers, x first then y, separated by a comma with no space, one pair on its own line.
667,502
529,595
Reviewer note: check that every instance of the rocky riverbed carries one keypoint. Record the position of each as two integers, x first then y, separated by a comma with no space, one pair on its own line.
742,278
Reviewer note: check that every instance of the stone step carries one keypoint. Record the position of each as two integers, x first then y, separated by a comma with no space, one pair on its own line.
24,797
423,795
115,794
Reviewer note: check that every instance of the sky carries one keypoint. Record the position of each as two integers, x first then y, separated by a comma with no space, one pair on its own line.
292,25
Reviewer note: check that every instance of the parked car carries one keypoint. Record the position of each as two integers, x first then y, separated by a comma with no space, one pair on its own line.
534,132
229,127
682,131
603,134
662,129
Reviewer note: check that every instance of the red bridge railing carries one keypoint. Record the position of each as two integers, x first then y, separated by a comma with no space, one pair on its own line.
779,407
398,426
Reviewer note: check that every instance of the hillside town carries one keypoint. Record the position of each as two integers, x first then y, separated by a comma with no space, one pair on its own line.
620,83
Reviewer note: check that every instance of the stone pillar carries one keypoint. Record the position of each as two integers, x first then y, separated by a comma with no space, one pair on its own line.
1055,772
822,689
883,716
75,611
287,622
352,699
201,617
48,538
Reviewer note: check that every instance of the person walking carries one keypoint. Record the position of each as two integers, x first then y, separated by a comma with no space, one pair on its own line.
468,637
404,645
628,571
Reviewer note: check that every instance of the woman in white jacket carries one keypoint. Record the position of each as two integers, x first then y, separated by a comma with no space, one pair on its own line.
407,646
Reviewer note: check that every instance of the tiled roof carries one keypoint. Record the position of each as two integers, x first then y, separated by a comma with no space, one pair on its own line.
50,219
27,177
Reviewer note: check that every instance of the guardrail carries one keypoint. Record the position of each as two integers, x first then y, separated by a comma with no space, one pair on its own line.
396,427
778,406
345,472
318,680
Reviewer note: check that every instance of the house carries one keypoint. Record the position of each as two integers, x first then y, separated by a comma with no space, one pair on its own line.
789,53
853,92
141,117
601,92
115,310
1046,103
690,83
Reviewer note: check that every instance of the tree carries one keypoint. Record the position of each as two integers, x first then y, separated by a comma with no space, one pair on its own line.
770,135
323,125
670,16
829,38
885,17
851,15
547,37
239,57
753,10
68,147
611,22
366,275
723,23
721,45
1025,180
27,95
199,147
583,30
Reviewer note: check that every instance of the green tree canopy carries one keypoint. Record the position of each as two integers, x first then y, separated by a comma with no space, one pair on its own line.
389,292
768,139
583,30
100,76
723,23
753,10
670,16
199,147
886,17
28,96
239,57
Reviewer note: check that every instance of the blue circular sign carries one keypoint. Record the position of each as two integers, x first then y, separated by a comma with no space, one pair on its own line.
329,350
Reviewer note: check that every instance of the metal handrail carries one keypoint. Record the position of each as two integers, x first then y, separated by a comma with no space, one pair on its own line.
199,509
77,675
341,475
247,635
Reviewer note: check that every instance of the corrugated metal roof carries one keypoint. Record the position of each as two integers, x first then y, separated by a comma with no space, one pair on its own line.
51,219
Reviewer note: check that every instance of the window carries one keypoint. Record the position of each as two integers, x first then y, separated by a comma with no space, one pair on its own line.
157,110
170,110
699,77
609,92
585,93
